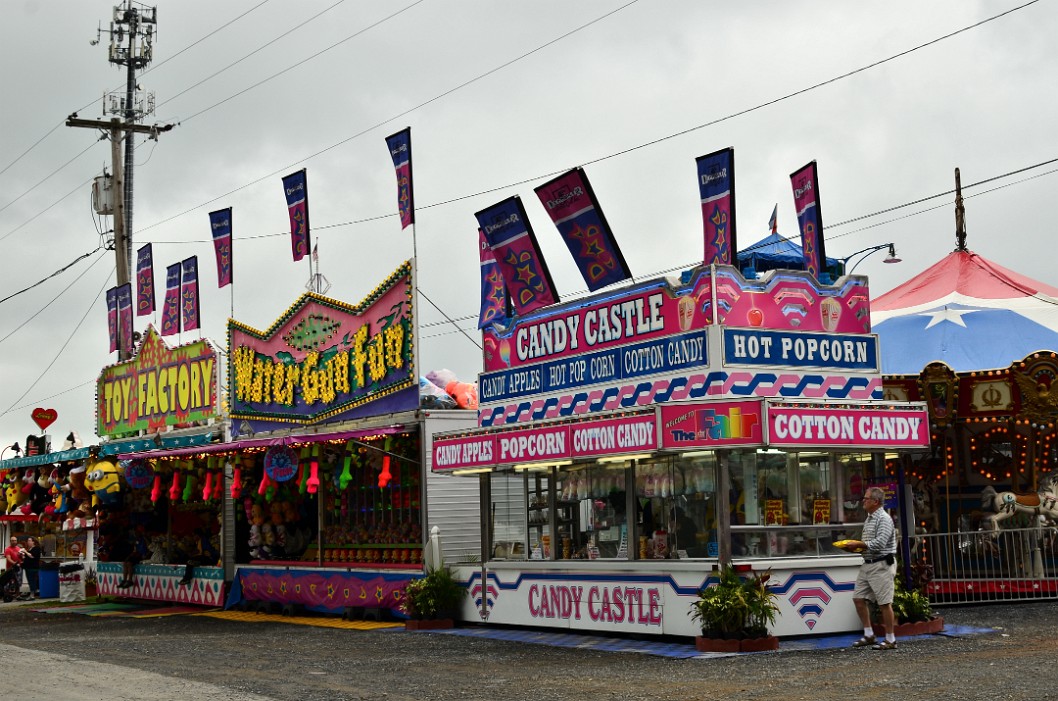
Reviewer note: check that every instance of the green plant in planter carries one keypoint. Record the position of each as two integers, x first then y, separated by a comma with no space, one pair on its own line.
909,605
437,595
736,607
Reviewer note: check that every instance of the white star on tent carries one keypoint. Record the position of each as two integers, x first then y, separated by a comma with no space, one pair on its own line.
948,314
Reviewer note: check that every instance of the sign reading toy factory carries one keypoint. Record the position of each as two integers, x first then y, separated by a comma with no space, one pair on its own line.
159,387
325,359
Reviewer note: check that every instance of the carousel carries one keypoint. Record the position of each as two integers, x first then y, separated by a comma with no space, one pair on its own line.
977,343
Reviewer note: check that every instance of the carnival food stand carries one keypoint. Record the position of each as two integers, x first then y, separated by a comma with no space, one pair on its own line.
629,442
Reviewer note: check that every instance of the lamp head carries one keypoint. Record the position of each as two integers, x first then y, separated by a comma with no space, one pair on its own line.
892,257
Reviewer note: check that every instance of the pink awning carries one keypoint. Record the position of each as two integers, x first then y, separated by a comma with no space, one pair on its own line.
301,439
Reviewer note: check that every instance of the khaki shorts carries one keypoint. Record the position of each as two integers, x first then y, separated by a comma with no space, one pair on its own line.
875,582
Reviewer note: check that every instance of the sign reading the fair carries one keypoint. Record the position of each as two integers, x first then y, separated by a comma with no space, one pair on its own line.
622,435
639,313
840,353
719,424
325,360
882,425
159,387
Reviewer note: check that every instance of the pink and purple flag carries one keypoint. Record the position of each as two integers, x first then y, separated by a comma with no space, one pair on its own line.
513,243
805,184
125,316
112,317
144,281
493,292
716,183
171,305
189,294
296,189
400,150
220,224
574,209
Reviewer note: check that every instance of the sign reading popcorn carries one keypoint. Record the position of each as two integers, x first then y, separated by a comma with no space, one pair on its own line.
326,360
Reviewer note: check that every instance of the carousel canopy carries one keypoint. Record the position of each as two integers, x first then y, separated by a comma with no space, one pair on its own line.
966,312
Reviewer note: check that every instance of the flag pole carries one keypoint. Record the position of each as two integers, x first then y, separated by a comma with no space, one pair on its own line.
415,306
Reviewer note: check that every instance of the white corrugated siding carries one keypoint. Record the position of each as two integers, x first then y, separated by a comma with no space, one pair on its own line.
452,503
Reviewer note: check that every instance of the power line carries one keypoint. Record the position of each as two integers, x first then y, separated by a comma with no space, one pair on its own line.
595,160
44,211
292,66
157,65
55,274
61,348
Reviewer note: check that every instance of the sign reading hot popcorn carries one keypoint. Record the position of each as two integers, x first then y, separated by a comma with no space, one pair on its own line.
326,360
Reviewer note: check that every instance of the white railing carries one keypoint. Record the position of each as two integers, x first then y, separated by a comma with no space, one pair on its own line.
1016,564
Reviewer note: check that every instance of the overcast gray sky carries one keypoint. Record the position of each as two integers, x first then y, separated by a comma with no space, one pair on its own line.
498,93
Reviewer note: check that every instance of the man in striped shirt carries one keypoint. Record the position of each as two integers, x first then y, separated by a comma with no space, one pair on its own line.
876,578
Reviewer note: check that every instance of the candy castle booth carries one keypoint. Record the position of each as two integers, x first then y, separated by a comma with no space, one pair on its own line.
631,441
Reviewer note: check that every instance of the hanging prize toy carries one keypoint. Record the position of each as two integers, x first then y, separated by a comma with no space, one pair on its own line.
384,477
174,490
156,489
314,470
236,482
207,489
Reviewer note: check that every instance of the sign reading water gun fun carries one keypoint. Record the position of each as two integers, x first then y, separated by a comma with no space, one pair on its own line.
325,360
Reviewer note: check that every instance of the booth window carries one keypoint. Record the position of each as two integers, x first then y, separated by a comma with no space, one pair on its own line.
675,506
507,516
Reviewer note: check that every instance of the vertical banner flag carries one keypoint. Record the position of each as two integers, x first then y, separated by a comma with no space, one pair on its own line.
189,294
220,224
493,293
112,317
400,150
574,208
716,183
513,243
171,305
773,223
144,281
806,202
296,188
125,316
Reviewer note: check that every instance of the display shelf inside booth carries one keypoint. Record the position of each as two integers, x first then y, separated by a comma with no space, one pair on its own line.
806,540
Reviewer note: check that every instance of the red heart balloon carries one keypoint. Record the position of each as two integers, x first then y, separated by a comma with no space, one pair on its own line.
44,417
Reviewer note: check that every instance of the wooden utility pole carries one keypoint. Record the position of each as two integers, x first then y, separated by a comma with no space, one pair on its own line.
136,23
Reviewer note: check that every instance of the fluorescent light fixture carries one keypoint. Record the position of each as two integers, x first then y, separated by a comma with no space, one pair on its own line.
624,458
542,465
471,470
697,453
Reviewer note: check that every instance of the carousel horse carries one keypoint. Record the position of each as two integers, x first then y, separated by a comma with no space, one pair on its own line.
1044,503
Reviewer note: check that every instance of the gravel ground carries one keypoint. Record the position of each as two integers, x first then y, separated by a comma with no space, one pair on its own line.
284,661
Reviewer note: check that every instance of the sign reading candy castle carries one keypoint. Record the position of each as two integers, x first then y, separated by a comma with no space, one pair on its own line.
160,387
326,360
660,341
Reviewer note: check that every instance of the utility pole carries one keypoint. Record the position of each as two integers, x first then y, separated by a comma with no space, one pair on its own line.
132,32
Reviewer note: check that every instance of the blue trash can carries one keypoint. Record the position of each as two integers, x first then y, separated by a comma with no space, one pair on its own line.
49,580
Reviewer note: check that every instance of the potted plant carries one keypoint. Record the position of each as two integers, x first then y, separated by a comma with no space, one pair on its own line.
913,613
735,613
432,601
91,584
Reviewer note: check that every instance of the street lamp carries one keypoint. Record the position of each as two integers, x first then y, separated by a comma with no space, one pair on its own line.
889,258
14,446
